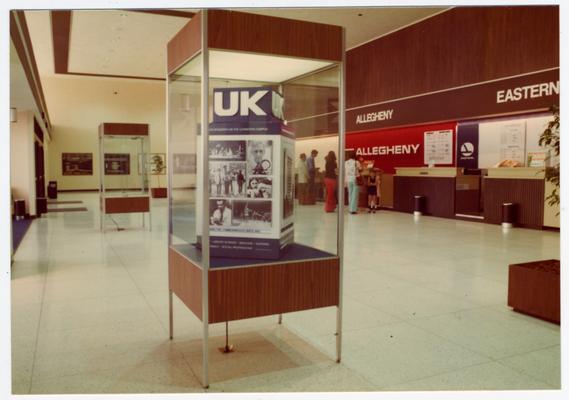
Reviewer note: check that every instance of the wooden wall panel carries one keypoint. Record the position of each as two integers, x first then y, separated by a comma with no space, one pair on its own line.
232,30
119,205
461,46
185,280
439,193
240,293
118,129
528,194
185,44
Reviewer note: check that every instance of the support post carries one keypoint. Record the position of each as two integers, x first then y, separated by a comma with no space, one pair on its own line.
171,314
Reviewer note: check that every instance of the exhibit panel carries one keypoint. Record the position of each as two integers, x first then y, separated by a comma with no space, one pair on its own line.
124,171
240,245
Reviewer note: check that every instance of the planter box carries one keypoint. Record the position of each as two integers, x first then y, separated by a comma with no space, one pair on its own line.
533,289
159,193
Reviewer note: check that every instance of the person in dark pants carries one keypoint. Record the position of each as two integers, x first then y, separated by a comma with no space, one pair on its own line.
330,180
240,181
311,166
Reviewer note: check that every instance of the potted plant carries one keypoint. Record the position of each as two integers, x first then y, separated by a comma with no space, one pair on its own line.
534,287
157,167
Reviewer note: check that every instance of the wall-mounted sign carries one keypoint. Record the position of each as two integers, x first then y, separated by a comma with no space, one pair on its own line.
117,164
438,147
512,142
532,92
77,163
400,147
467,143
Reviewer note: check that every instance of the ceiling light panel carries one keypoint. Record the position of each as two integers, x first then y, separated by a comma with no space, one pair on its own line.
121,42
253,67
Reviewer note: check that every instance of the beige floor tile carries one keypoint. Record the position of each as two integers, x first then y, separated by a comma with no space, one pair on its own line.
543,365
488,376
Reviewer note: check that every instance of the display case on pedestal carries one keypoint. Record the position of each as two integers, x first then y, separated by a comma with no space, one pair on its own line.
123,171
241,89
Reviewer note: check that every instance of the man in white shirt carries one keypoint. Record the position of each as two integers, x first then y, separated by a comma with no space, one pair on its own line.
352,171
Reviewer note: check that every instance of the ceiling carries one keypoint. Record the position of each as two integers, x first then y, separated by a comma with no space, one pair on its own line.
21,96
129,43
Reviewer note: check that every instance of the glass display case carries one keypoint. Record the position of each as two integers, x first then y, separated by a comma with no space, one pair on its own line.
238,104
124,172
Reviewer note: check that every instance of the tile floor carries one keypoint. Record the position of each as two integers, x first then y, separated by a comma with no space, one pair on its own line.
425,309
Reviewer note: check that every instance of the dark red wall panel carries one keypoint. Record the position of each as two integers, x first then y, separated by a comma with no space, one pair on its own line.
461,46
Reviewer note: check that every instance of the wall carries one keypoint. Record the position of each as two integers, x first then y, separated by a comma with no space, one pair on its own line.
77,105
461,46
22,162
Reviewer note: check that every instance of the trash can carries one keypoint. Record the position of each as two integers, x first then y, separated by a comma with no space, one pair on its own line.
52,190
41,206
19,209
509,215
419,205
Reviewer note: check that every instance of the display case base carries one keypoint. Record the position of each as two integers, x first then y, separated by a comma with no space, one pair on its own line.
159,193
238,291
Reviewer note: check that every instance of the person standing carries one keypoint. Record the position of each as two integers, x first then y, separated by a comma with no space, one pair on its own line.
311,166
302,171
373,190
240,181
352,168
330,179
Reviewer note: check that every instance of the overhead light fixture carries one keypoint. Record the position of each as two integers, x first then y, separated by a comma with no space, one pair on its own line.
13,114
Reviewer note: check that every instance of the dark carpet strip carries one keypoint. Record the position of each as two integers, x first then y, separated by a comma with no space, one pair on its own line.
65,202
66,209
19,229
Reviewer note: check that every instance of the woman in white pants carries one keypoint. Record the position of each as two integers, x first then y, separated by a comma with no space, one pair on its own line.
352,169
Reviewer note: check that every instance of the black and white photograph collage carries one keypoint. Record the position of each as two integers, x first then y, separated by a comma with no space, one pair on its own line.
241,185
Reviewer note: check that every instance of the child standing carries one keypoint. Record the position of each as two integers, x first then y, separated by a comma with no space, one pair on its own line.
373,190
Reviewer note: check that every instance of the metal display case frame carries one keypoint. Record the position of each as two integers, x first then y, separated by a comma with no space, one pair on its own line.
258,288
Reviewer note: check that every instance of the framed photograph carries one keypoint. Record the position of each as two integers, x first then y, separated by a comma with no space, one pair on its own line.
77,163
259,187
227,179
153,163
253,215
260,157
227,150
117,164
183,163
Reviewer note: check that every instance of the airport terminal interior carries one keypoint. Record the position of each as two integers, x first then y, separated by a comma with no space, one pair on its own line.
371,203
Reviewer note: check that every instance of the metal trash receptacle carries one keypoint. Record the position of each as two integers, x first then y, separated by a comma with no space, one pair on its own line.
419,205
19,209
509,215
52,190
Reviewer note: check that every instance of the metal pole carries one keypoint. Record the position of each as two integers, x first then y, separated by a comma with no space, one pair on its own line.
205,197
101,179
342,145
171,313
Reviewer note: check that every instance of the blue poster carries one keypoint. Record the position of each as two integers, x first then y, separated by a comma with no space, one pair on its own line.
467,146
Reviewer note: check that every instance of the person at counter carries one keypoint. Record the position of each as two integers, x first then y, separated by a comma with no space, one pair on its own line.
302,171
311,166
353,170
330,178
373,189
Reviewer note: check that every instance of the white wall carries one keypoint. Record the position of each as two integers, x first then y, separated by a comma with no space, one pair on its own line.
77,105
22,161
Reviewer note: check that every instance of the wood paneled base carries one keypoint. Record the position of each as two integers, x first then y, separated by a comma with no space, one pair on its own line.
248,292
527,194
439,194
120,205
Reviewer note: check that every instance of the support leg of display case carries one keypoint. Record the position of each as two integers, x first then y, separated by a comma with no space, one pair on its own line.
228,348
171,313
338,334
280,319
